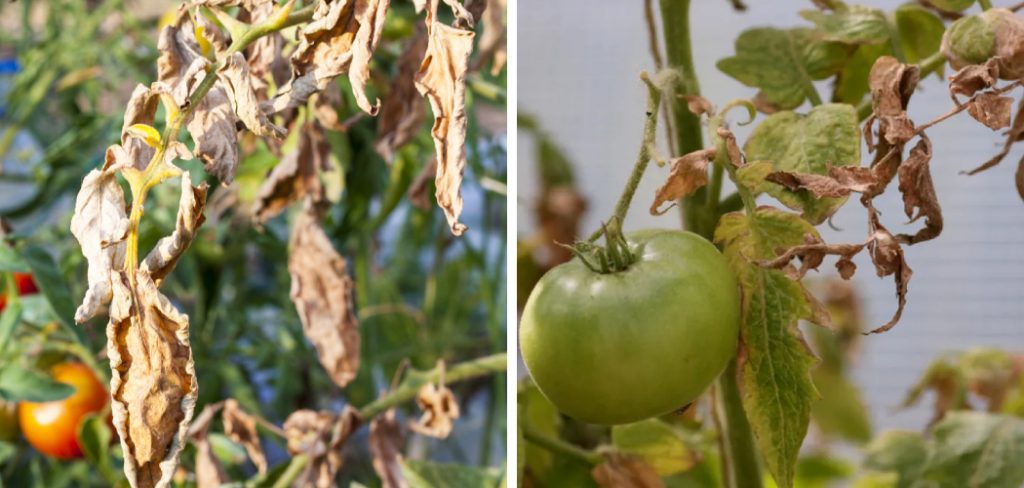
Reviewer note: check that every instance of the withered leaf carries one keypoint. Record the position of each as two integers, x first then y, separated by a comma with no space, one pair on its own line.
892,83
732,148
295,176
919,199
990,109
162,259
402,112
153,382
209,471
237,83
241,428
418,189
1013,135
341,38
492,41
386,447
818,185
887,255
439,410
1019,178
141,109
442,80
559,213
322,292
973,78
266,60
699,105
620,471
100,224
320,435
689,172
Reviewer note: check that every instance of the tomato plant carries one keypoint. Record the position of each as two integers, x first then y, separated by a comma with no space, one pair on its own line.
8,421
673,315
52,427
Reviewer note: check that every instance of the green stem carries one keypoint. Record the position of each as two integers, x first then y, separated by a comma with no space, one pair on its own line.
486,365
558,446
739,467
739,460
675,20
985,4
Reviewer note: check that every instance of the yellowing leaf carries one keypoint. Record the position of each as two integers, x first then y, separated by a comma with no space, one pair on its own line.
100,224
657,443
442,80
153,381
322,292
147,133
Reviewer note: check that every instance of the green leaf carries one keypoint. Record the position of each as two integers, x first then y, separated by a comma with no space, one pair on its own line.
971,40
94,436
19,384
11,261
920,32
782,63
900,452
9,320
854,25
827,135
952,5
423,474
53,286
775,379
840,410
7,450
656,442
974,449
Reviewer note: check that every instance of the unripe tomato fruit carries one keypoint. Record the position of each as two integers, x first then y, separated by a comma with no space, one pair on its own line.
52,427
625,346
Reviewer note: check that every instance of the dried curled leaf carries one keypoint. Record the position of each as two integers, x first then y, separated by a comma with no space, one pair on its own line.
162,259
322,292
990,109
386,447
418,189
402,113
492,41
973,78
241,428
209,471
442,80
237,82
689,172
295,176
919,199
141,109
100,224
620,471
153,381
320,435
892,83
340,39
699,105
887,255
439,410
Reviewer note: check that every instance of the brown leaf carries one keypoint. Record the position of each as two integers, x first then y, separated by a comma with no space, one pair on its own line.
819,185
322,292
559,214
990,109
237,84
340,39
731,147
973,78
209,471
402,113
492,41
168,251
295,176
887,255
386,447
919,199
320,435
442,80
620,471
141,109
1013,135
689,172
418,189
846,267
266,62
100,224
892,83
241,428
439,409
153,383
698,104
1019,178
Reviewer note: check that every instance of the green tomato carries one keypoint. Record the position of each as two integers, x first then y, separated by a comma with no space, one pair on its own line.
621,347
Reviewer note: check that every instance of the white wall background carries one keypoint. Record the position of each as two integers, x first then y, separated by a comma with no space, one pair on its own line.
578,66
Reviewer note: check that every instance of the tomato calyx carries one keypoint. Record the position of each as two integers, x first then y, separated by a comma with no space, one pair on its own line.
613,257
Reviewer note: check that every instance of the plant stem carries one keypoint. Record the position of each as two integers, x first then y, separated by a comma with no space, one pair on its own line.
739,467
739,459
486,365
558,446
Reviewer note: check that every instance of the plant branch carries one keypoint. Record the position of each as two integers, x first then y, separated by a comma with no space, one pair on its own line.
484,366
740,465
558,446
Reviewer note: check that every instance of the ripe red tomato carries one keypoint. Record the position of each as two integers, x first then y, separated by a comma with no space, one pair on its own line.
26,285
52,427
